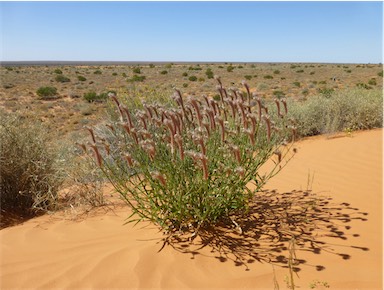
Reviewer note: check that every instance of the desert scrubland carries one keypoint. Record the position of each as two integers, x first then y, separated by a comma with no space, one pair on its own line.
212,217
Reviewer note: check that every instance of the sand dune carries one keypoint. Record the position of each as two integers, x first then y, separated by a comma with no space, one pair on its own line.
338,238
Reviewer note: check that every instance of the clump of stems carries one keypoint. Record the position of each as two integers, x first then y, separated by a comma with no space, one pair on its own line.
194,164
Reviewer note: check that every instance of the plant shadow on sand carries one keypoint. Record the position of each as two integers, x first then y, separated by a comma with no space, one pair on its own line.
273,223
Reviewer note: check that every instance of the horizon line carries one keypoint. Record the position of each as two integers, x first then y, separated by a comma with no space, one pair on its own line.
104,62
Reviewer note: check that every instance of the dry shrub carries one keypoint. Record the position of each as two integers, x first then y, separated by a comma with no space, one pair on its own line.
29,167
356,109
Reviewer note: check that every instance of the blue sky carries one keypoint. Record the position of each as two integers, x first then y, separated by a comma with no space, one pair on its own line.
342,32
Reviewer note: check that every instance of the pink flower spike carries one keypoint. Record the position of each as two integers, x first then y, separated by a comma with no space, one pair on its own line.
82,146
157,175
127,114
110,127
240,170
268,124
278,108
97,155
92,134
285,105
129,159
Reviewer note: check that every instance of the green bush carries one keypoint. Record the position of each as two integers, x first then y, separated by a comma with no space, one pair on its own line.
8,86
164,72
46,92
58,71
185,74
97,72
372,82
300,71
137,70
192,78
279,94
62,79
94,97
187,168
230,68
81,78
136,78
195,68
380,73
29,167
363,86
276,72
209,73
350,109
248,77
297,84
268,77
305,92
326,92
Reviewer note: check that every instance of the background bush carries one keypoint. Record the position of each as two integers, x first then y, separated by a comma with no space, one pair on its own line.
81,78
353,109
136,78
94,97
46,92
62,79
30,167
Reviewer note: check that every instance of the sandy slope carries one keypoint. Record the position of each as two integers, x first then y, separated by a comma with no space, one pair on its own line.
99,252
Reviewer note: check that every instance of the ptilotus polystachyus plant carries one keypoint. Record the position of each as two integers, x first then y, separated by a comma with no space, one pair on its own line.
193,163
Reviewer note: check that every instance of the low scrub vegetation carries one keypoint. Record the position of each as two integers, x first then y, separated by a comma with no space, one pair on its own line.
30,167
345,110
137,78
94,97
62,79
81,78
46,92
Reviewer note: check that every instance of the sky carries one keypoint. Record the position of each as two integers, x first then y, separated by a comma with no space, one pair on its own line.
331,32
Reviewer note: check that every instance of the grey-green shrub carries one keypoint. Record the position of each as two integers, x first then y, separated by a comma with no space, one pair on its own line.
29,166
353,109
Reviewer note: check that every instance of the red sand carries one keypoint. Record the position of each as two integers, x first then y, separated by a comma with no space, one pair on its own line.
99,252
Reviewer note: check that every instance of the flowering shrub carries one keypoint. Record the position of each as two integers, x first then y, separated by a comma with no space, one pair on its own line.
194,164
